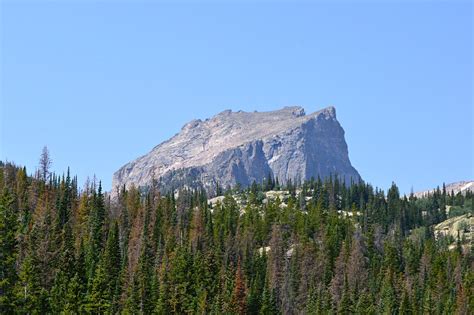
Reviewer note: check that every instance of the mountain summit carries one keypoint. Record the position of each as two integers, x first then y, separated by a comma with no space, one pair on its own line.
242,147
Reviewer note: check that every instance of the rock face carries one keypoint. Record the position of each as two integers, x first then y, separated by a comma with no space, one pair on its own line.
457,187
242,147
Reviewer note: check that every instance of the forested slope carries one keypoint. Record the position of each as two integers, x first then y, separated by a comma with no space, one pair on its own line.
326,248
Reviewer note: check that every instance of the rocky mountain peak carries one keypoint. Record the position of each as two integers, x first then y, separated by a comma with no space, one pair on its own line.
242,147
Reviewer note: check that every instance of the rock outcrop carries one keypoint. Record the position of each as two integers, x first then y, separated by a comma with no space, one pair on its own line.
457,187
242,147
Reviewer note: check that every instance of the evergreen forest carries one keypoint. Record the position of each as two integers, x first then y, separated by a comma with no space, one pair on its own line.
319,247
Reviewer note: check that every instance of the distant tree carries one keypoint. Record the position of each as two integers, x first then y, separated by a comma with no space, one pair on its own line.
45,163
365,304
405,304
270,184
357,267
104,292
345,305
113,263
98,301
8,251
65,201
338,280
276,262
30,297
239,303
66,270
388,296
75,302
393,205
97,228
269,305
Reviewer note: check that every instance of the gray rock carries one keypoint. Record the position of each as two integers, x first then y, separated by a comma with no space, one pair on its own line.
462,187
241,147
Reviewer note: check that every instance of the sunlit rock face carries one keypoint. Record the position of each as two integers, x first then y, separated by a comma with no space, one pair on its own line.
243,147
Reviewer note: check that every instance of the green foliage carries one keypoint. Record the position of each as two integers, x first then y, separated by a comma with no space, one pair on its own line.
318,248
30,297
8,250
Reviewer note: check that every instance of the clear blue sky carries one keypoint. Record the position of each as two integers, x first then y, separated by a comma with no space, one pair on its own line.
101,83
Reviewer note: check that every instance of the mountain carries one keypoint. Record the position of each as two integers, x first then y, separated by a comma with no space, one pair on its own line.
456,187
242,147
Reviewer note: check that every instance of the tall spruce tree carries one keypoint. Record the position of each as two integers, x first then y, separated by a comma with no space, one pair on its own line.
8,251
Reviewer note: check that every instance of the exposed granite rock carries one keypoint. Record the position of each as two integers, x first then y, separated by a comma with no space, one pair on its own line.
242,147
457,187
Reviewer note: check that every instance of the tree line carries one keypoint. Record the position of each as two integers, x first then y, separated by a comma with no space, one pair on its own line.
324,247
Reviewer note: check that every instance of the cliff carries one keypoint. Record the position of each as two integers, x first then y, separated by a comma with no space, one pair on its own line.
242,147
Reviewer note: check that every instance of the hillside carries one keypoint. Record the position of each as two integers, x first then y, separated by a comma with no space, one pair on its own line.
319,247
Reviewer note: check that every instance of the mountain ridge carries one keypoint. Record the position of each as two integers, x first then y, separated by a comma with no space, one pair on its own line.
242,147
460,186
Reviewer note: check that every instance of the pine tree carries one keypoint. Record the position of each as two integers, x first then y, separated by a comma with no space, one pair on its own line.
239,303
312,302
345,305
66,271
44,164
80,269
337,282
162,305
365,304
98,300
275,262
462,302
8,251
145,265
357,268
65,202
269,304
428,302
113,262
105,291
74,296
96,238
388,297
29,295
179,282
405,304
253,299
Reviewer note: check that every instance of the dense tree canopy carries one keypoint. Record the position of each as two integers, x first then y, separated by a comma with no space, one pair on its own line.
322,247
